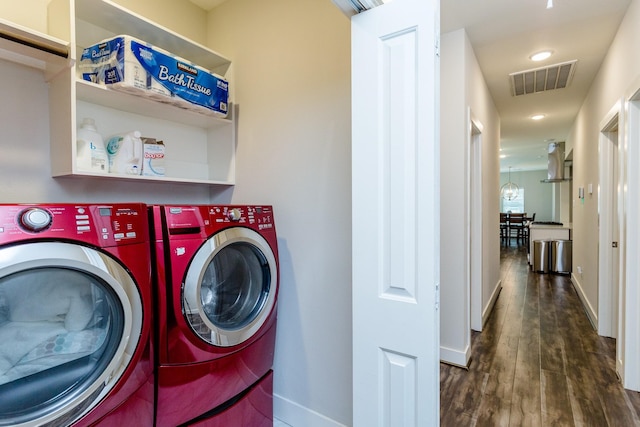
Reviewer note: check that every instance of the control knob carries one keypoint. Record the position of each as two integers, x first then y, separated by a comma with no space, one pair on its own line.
35,219
234,214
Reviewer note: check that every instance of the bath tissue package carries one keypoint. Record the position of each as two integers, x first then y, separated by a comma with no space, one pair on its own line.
127,64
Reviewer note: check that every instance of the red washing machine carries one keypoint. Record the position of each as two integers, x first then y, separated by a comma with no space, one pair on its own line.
217,277
75,315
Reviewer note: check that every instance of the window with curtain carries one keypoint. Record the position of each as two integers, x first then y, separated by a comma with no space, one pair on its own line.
516,205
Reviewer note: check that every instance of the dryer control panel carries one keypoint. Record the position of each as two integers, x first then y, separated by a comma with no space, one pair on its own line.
201,221
100,225
259,217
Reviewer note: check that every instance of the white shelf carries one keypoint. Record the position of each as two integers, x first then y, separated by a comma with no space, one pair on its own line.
200,145
141,178
123,21
103,95
34,49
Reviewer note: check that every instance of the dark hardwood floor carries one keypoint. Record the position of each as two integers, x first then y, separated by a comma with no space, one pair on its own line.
537,362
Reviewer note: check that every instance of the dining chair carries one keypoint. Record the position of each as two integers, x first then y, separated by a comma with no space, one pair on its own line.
504,227
516,226
525,230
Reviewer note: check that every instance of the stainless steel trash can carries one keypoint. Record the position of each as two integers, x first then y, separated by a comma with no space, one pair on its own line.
541,256
560,256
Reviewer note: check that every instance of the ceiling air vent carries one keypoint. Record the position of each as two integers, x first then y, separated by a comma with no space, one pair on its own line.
542,79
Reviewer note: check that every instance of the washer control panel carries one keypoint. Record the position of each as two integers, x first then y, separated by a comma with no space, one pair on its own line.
101,225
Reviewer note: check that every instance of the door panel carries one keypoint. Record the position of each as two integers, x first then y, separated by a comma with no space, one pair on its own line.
395,217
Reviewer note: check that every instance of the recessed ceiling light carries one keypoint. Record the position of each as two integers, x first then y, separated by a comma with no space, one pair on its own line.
537,117
541,56
503,156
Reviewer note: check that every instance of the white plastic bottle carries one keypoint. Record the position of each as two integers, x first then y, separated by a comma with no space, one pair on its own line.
125,153
91,153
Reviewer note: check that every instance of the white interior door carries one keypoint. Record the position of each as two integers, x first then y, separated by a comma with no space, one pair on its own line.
395,214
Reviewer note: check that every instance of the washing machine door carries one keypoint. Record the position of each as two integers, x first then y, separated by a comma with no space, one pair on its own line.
70,319
229,289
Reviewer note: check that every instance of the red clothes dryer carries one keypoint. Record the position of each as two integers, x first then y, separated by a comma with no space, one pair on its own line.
217,283
75,315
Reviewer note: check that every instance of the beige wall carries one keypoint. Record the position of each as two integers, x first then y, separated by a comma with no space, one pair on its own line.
619,77
181,16
482,107
620,68
291,80
454,316
538,196
28,13
458,64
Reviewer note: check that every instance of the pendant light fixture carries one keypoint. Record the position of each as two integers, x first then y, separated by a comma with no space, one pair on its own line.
509,191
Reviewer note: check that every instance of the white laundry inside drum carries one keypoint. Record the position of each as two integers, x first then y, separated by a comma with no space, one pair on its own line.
50,317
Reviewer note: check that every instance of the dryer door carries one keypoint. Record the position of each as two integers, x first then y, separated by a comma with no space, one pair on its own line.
70,320
230,287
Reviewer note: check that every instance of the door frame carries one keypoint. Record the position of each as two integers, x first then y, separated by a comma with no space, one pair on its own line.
628,344
608,176
474,235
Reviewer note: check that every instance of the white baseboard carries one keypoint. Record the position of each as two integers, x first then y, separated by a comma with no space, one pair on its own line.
462,357
455,357
620,369
296,415
591,313
492,302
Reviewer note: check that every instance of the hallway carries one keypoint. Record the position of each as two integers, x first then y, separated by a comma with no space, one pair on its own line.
538,361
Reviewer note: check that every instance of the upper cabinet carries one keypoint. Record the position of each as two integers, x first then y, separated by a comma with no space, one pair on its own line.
199,145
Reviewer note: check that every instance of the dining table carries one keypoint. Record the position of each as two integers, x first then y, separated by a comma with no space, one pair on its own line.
517,222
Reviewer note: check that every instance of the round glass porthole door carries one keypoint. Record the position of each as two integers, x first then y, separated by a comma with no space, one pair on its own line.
230,287
65,322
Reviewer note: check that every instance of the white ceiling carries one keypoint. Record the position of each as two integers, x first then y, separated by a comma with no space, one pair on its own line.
504,33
